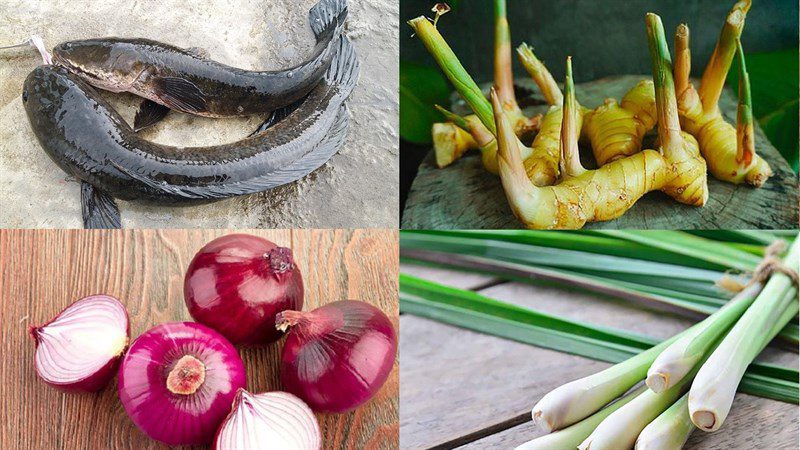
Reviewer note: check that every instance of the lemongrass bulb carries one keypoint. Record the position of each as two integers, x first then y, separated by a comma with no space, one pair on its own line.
621,428
670,430
714,387
581,398
674,363
574,434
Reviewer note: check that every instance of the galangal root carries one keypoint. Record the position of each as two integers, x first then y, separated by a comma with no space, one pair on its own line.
581,195
729,151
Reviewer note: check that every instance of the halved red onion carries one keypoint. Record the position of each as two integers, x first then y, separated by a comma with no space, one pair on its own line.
276,420
178,380
337,356
80,348
236,285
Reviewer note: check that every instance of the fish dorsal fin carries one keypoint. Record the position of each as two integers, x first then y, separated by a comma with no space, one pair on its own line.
180,94
99,209
149,114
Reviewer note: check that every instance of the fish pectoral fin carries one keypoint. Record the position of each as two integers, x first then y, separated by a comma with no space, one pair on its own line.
199,52
149,114
278,115
180,94
99,209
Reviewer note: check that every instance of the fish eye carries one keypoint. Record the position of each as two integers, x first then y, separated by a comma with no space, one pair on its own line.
24,96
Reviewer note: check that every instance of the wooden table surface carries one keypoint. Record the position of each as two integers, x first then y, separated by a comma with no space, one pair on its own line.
464,196
463,389
44,271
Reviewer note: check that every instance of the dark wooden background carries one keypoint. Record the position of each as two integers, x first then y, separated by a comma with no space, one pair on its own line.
44,271
468,390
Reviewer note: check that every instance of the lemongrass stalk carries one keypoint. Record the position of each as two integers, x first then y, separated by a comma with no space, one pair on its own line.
745,135
570,161
677,360
720,62
576,400
453,70
670,430
574,434
712,392
543,78
622,427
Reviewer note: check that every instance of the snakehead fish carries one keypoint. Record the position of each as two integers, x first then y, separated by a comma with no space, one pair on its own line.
186,80
88,139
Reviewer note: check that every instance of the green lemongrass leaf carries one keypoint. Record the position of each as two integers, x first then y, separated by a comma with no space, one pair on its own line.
654,297
693,246
545,256
472,311
581,241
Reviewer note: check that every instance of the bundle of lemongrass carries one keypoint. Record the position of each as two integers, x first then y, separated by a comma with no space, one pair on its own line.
690,379
545,184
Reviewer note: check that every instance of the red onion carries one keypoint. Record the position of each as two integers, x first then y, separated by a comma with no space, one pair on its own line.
336,357
276,420
79,349
178,380
236,285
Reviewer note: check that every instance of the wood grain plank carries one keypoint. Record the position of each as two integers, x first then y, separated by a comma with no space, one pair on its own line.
456,382
465,196
44,271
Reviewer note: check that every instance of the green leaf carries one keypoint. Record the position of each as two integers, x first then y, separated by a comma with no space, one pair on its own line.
774,86
475,312
421,87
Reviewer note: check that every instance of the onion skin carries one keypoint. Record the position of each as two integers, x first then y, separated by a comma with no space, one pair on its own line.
172,418
238,283
276,420
338,356
78,310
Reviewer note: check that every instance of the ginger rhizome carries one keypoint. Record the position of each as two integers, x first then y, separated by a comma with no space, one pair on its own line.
614,130
450,140
582,195
730,156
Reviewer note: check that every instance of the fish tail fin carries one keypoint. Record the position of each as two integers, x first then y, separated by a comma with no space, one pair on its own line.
99,209
344,69
327,15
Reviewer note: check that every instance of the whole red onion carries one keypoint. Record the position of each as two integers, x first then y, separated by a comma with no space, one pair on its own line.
79,349
178,380
236,285
276,420
337,356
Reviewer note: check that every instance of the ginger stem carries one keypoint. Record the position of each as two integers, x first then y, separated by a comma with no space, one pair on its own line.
457,120
720,62
745,141
503,74
683,59
543,78
669,128
453,70
570,163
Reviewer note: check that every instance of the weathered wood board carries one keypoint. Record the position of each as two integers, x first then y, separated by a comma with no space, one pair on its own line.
44,271
461,388
465,196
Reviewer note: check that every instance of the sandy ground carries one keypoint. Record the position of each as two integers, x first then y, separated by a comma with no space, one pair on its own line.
357,188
